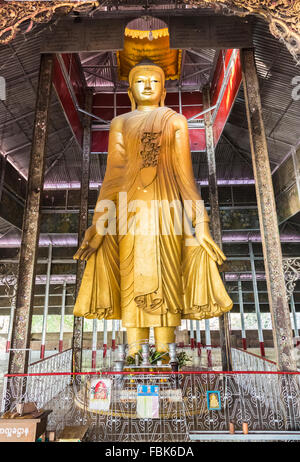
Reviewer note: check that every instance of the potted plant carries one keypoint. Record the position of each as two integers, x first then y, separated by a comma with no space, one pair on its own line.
182,359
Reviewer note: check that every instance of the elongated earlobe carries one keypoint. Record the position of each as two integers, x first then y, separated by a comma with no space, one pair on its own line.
162,99
132,100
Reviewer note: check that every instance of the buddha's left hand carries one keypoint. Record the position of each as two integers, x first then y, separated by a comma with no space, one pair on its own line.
91,242
206,241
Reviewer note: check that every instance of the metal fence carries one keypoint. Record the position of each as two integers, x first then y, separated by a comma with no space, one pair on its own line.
42,385
200,357
266,401
43,388
110,403
246,361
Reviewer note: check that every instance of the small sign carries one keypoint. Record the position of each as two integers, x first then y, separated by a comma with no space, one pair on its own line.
147,402
22,429
16,432
213,400
100,394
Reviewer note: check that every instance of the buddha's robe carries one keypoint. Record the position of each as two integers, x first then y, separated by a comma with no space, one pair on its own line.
152,279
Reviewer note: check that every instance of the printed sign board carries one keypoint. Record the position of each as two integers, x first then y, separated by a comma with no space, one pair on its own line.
100,394
147,401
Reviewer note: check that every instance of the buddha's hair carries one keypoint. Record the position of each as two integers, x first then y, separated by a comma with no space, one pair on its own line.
146,63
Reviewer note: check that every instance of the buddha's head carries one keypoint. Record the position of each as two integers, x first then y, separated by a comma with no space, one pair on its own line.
146,85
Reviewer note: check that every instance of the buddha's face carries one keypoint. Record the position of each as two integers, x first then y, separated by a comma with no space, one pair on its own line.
147,87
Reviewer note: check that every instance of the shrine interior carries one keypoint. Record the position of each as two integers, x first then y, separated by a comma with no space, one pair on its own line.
196,61
60,200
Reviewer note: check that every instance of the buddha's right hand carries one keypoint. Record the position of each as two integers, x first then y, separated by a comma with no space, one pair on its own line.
90,244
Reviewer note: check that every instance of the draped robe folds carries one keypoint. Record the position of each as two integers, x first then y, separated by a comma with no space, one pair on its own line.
154,279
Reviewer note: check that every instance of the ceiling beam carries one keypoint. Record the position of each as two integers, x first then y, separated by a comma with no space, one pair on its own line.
237,150
201,71
27,114
26,145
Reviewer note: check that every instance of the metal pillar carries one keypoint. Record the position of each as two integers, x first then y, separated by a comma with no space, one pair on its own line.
118,330
198,337
241,304
113,335
282,330
192,336
256,301
208,343
19,354
46,302
62,318
104,337
215,221
82,226
94,343
180,100
294,314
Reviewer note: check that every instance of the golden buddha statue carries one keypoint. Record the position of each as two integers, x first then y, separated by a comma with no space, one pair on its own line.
213,401
141,267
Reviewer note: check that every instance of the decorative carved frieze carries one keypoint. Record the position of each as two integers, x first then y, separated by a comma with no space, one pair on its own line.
17,15
282,15
291,268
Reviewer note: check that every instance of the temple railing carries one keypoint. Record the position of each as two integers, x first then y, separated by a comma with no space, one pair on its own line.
266,401
201,356
41,384
56,361
245,361
43,388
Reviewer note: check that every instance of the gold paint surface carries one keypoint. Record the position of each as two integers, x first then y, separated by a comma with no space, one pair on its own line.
157,50
150,279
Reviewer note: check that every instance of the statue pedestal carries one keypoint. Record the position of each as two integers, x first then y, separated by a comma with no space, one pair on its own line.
146,369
